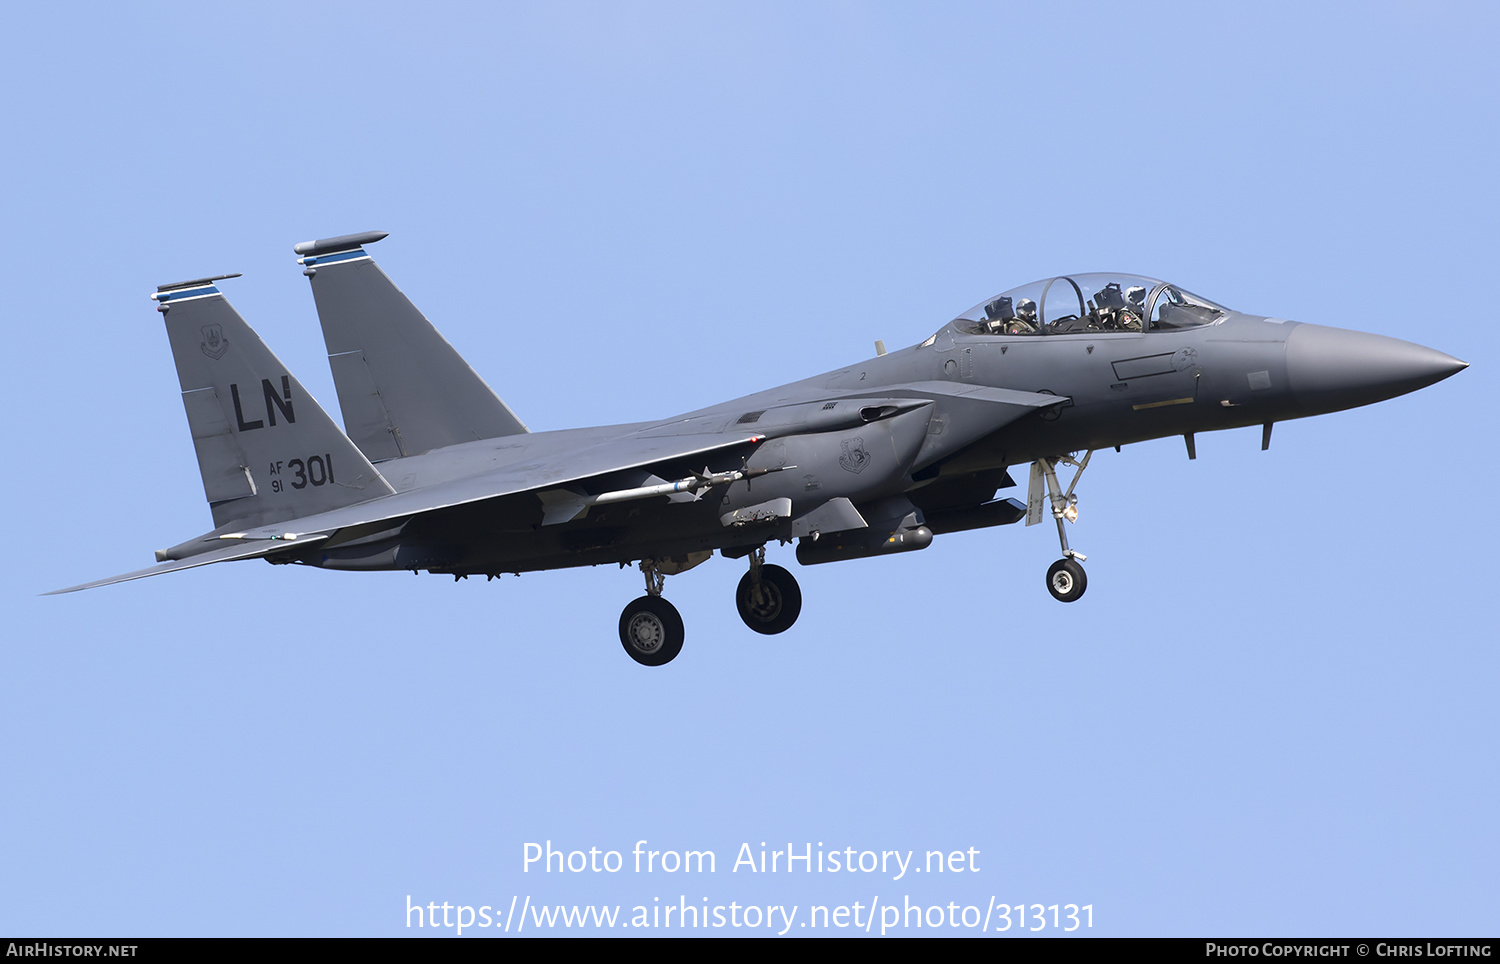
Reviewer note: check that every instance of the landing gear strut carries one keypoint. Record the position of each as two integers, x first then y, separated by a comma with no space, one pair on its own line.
768,597
1066,579
651,629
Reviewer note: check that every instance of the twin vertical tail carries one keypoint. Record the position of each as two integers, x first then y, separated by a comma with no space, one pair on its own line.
267,451
402,388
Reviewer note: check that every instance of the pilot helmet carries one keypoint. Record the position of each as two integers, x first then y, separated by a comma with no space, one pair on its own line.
1136,295
1026,309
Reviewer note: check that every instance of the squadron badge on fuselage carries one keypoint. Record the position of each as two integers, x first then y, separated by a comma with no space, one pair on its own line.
855,458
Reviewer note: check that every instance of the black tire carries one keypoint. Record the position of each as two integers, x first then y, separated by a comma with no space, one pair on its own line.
778,604
1066,580
651,631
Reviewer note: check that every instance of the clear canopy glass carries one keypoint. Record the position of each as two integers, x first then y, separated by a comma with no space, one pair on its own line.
1089,303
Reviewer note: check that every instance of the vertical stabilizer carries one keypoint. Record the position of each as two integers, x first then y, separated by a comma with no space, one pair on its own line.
267,451
402,388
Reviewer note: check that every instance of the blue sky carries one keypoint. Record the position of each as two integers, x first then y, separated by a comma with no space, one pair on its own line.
1272,713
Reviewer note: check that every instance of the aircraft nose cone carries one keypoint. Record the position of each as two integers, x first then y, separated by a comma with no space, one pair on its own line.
1332,368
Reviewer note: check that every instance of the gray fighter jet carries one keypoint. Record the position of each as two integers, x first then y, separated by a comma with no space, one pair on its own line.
434,472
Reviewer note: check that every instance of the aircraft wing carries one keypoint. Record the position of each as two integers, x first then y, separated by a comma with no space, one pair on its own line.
639,449
546,466
229,553
526,475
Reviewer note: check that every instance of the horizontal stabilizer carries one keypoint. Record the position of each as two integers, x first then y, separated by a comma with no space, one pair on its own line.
230,553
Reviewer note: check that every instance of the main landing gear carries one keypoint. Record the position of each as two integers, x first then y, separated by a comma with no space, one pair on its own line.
1066,579
651,630
768,597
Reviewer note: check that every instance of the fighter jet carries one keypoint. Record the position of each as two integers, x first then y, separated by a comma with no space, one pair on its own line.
434,473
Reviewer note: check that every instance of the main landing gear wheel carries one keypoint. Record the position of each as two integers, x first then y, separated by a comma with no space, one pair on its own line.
1066,580
771,606
651,631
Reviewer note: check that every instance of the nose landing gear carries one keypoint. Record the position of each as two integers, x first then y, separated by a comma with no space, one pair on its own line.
1066,579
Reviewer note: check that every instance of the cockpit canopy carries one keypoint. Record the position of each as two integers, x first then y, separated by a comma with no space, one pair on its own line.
1089,303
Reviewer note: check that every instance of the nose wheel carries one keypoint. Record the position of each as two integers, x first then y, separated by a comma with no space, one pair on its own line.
1066,580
